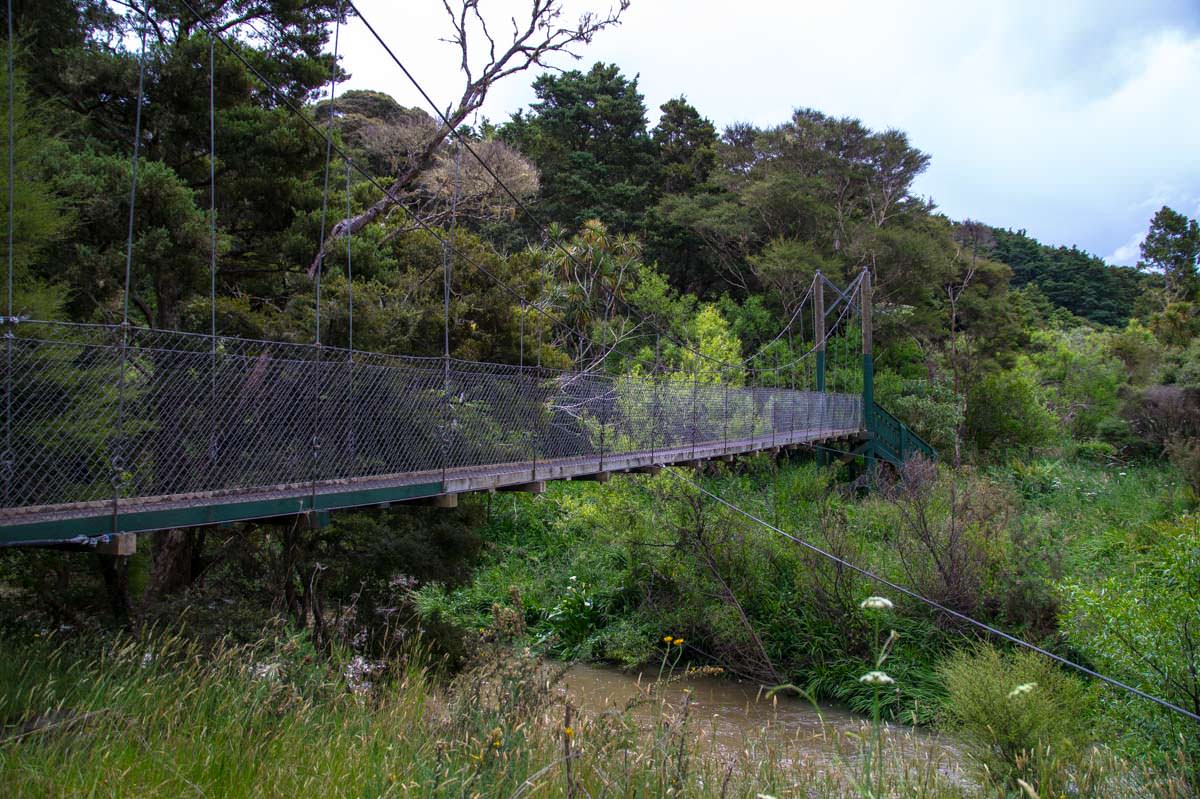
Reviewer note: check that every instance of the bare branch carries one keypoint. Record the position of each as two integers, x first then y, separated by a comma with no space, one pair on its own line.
541,38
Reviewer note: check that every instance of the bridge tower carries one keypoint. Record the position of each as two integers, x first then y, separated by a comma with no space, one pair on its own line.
868,360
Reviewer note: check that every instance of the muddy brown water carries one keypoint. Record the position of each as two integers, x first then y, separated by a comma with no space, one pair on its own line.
731,717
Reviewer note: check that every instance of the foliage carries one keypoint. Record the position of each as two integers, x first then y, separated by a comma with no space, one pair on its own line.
715,346
587,134
929,407
1007,411
1082,376
158,716
1069,278
1017,714
42,217
1139,622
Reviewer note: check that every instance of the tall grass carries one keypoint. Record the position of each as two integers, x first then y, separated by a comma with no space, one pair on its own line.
161,717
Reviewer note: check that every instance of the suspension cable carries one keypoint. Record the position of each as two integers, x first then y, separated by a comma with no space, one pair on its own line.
447,277
349,274
10,317
133,174
317,383
212,188
525,209
118,457
12,168
987,628
215,433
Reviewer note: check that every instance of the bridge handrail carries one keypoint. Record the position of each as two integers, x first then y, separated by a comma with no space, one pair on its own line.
897,437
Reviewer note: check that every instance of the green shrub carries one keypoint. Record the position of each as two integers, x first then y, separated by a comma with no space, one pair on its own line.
1016,714
1006,410
1140,625
1094,451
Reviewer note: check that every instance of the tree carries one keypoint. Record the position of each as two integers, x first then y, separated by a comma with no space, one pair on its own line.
170,239
591,281
41,219
1172,247
587,135
1069,277
531,44
385,136
687,147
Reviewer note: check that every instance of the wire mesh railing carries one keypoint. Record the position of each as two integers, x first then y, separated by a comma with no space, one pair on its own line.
112,413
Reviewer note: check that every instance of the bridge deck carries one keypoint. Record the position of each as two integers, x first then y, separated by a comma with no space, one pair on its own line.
79,520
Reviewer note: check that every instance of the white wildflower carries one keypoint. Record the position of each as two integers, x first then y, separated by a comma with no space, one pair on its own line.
1022,689
876,678
356,673
876,603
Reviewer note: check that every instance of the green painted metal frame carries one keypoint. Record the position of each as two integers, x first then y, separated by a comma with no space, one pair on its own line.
888,439
226,511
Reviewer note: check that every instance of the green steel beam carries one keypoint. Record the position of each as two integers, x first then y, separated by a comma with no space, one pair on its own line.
141,521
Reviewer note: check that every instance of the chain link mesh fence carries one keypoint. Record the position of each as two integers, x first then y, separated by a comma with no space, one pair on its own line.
105,412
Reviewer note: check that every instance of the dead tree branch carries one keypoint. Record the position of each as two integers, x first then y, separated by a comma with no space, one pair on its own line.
540,36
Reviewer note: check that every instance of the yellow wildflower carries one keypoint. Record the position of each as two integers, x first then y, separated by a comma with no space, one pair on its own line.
569,732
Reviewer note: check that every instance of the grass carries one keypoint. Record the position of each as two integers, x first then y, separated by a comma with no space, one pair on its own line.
161,717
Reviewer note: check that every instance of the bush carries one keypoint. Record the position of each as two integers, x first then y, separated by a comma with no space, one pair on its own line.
1161,414
1017,714
951,539
1094,451
1006,411
1141,627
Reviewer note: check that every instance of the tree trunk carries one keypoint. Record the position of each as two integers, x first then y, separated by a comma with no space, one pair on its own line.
177,562
115,570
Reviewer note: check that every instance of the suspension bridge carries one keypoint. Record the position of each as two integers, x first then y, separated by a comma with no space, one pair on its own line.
113,430
119,429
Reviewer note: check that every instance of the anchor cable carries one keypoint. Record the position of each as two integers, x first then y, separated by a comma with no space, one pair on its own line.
987,628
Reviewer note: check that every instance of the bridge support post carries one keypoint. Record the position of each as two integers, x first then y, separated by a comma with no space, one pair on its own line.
121,544
868,364
819,328
819,344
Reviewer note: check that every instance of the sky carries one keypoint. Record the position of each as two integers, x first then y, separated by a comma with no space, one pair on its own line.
1072,119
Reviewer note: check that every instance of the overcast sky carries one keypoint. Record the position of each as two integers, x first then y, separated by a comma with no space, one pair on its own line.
1073,119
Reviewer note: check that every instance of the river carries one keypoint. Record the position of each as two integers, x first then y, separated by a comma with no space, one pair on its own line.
730,717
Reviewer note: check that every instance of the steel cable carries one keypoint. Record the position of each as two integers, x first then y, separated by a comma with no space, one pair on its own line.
1012,639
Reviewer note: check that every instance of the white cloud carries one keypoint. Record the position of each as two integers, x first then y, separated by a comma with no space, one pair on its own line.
1059,118
1129,252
